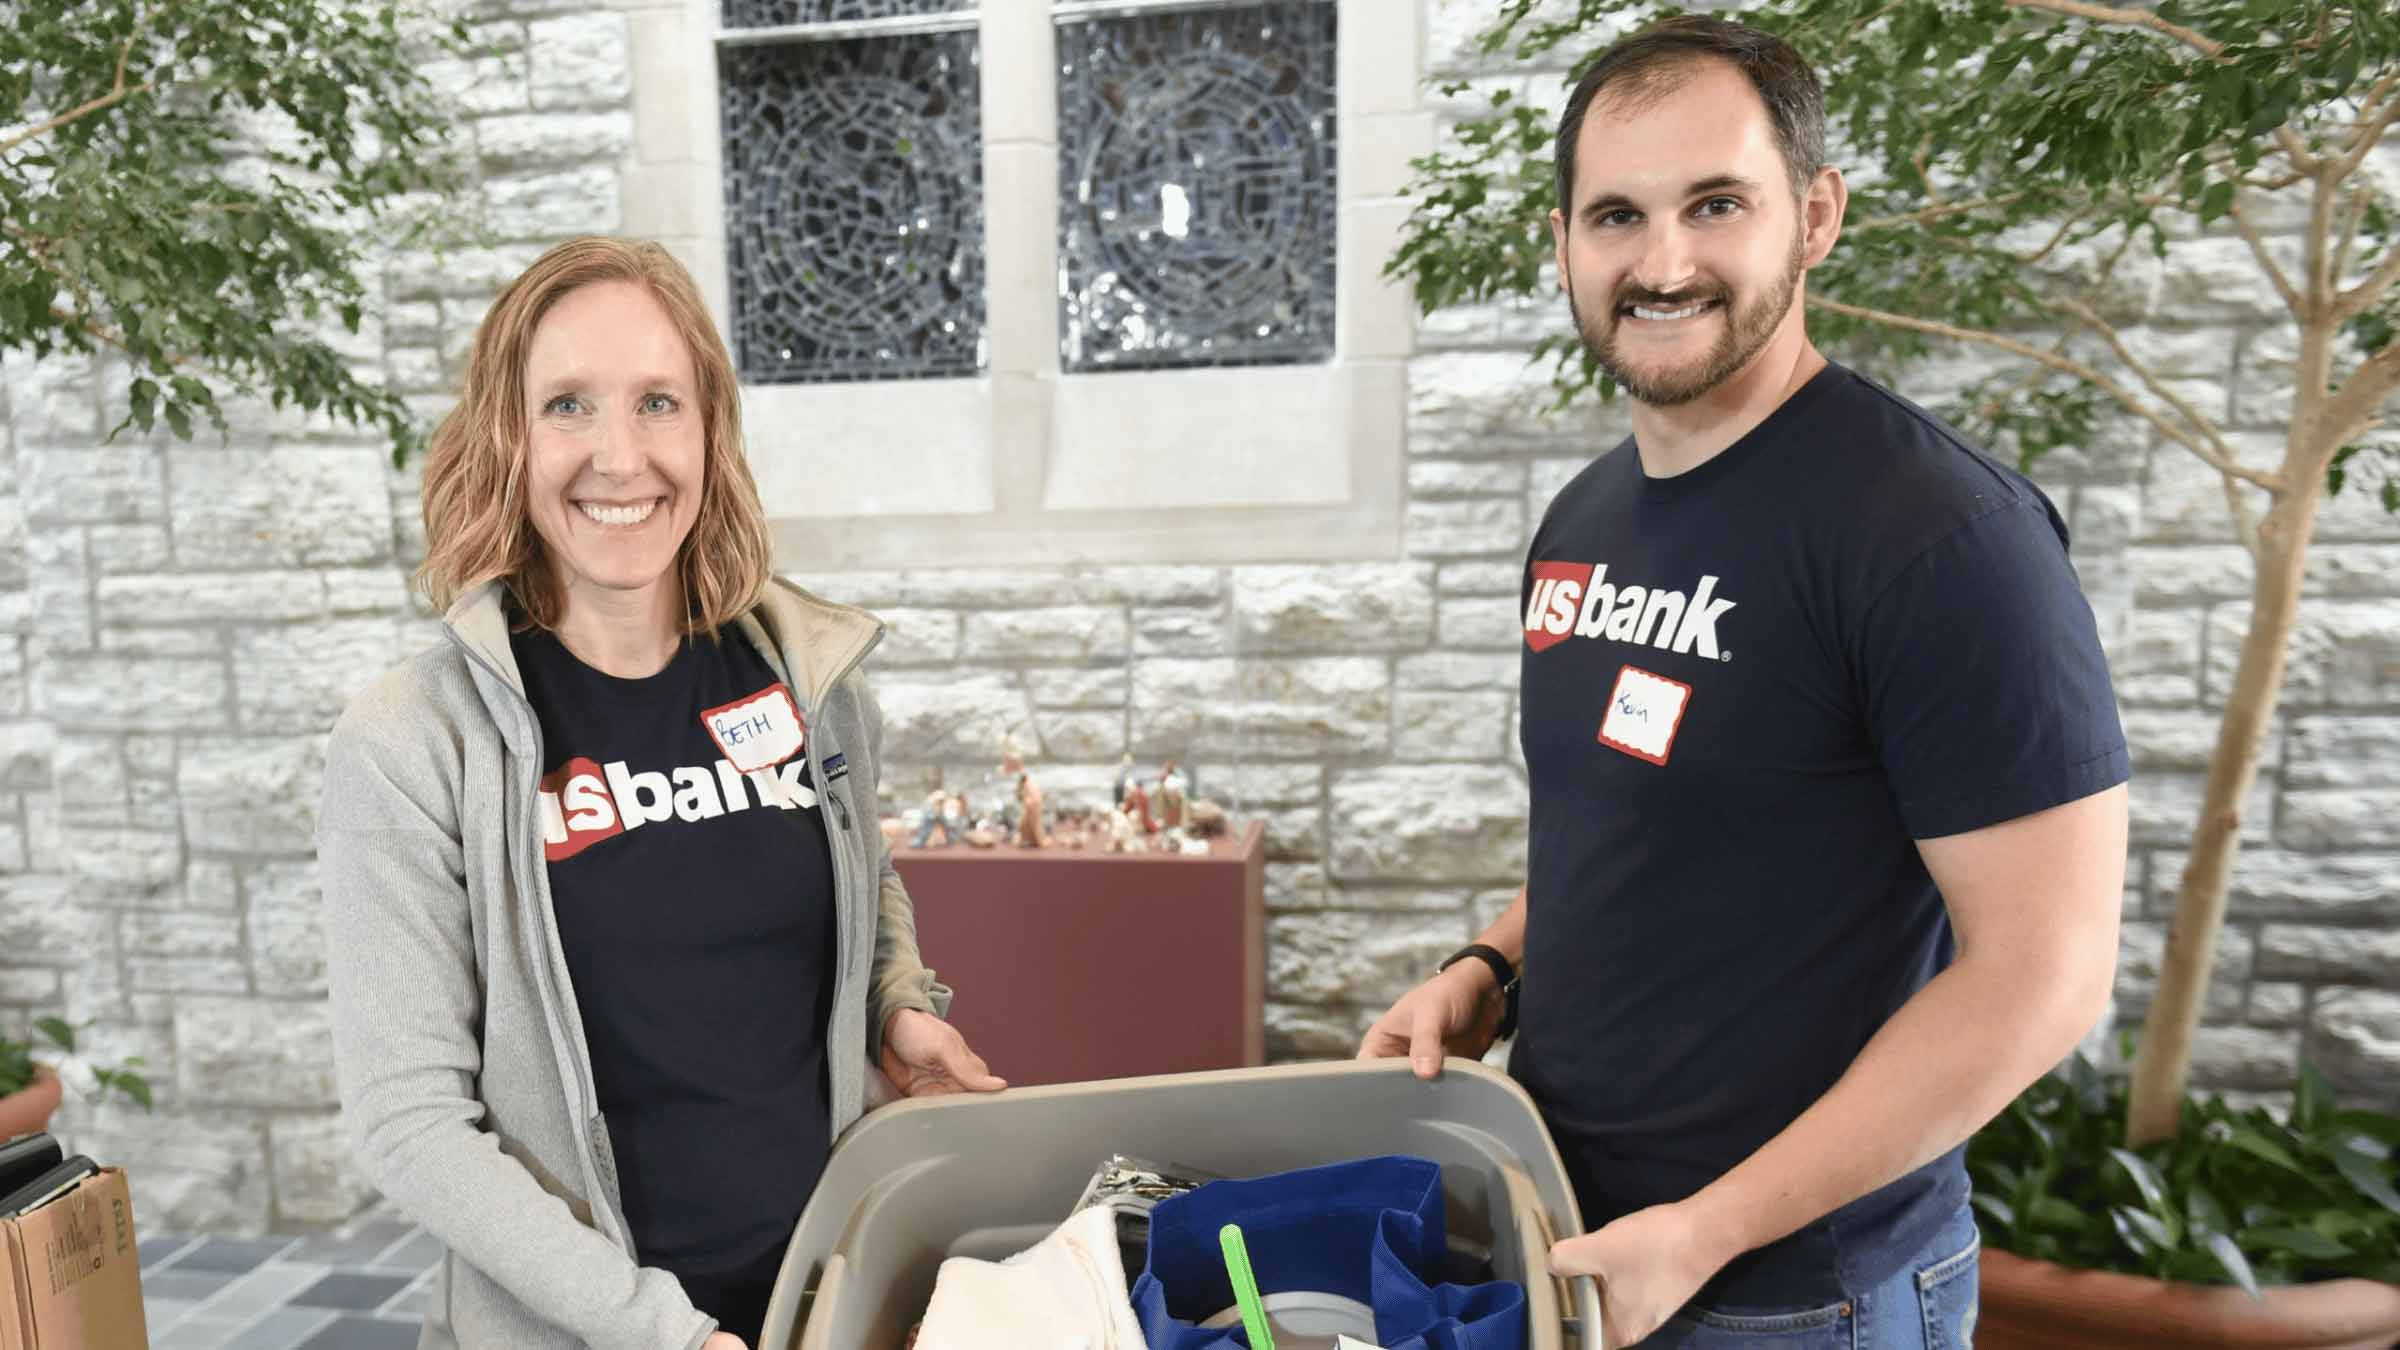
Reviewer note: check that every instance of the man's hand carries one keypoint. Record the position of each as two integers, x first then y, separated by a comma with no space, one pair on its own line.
723,1340
1648,1263
1457,1011
925,1056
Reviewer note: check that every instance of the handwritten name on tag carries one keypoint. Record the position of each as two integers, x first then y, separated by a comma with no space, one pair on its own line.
1643,712
758,732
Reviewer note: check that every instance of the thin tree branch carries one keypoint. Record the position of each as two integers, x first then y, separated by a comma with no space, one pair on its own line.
107,100
2368,293
2345,229
2361,397
2266,260
2136,18
116,94
37,247
2301,157
2245,526
2064,364
2222,457
2065,228
1933,213
1925,173
2374,116
125,50
2276,184
2033,375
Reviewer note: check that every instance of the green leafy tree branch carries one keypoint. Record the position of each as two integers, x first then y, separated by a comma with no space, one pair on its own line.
197,187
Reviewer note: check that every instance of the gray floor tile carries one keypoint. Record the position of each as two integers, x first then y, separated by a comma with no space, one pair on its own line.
162,1313
282,1329
160,1247
189,1286
350,1291
197,1333
348,1249
360,1333
269,1286
330,1250
418,1253
233,1255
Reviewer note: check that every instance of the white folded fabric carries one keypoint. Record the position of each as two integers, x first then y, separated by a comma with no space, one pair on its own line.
1066,1292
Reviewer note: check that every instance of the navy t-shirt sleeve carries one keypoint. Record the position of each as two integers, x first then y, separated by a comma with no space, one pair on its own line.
1985,690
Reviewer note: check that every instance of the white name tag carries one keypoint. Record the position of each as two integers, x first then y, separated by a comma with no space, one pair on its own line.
758,732
1643,712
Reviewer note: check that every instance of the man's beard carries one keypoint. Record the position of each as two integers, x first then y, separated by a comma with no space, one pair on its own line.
1747,329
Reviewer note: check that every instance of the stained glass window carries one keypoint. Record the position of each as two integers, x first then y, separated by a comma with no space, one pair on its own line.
854,206
1196,186
775,13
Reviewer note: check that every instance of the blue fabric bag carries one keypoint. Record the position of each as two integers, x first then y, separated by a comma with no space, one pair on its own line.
1370,1230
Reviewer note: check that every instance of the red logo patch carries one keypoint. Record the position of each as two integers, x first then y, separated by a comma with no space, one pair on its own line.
576,792
1551,606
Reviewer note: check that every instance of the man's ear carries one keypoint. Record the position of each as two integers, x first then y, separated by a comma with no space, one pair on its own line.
1821,214
1558,244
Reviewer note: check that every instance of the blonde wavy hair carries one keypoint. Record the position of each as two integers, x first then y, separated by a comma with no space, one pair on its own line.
477,524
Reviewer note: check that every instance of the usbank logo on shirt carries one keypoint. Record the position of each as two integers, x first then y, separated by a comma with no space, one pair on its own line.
1571,599
584,802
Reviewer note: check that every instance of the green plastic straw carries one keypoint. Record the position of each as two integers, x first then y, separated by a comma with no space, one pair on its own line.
1245,1287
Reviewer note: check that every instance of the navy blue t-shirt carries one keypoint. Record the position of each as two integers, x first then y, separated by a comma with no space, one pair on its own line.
1747,691
693,885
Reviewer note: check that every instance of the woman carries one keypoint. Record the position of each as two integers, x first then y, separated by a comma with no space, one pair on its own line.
613,933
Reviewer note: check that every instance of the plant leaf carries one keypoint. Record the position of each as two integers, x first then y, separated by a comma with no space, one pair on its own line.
2229,1255
2206,1217
60,1034
2366,1174
2303,1242
2312,1099
2052,1212
2141,1230
2250,1141
1996,1207
2146,1179
2373,1124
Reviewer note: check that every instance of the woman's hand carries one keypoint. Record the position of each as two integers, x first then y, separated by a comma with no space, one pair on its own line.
925,1056
723,1340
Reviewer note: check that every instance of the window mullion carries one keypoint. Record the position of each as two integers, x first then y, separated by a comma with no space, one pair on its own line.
1020,174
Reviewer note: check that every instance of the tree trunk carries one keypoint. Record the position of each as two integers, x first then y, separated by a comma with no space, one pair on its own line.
2165,1056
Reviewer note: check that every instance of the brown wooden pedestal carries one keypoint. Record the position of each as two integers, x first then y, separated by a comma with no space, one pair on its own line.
1073,965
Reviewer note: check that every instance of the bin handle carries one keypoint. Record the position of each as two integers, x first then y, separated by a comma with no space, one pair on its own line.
817,1332
1579,1293
1544,1311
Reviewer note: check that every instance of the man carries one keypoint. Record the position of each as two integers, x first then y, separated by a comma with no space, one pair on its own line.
1828,811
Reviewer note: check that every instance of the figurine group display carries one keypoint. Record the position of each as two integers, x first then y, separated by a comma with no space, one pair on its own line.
1147,812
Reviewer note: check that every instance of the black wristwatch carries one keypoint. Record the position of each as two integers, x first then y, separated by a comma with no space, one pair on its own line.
1501,970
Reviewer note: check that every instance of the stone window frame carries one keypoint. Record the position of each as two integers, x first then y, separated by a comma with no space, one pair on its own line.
1023,464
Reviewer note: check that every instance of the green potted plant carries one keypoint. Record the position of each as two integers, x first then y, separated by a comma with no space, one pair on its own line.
31,1090
2300,1215
2027,177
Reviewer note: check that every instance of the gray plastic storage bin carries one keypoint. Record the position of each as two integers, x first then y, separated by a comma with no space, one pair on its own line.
923,1180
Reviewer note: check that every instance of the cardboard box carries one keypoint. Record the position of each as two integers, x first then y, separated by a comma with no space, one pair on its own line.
70,1277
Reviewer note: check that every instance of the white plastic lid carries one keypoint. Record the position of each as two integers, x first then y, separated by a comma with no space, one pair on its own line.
1307,1319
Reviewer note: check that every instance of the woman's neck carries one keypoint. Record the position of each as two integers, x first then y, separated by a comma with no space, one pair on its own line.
630,635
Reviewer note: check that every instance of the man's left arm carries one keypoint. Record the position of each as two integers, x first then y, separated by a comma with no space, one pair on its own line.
2034,902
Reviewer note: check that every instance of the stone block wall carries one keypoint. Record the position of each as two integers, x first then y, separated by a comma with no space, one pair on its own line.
179,623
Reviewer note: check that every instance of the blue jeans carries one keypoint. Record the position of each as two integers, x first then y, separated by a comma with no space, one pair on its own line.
1929,1305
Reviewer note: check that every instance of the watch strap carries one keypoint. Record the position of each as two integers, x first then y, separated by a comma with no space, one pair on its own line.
1502,971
